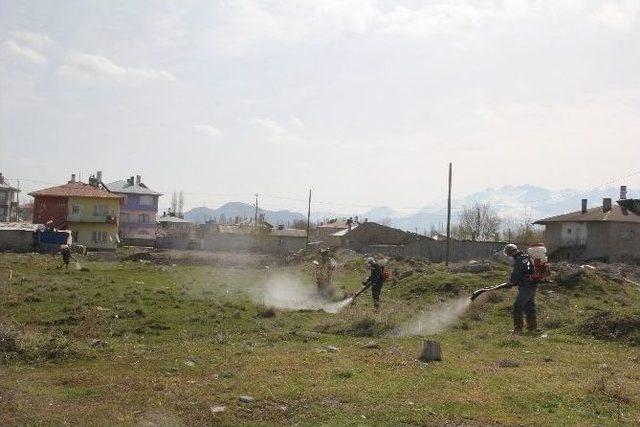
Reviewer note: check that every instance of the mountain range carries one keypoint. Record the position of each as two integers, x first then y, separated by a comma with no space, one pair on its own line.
242,211
515,203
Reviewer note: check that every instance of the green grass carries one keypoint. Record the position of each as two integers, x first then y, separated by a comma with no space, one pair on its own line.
135,342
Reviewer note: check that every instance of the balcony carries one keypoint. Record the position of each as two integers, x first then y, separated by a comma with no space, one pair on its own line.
108,219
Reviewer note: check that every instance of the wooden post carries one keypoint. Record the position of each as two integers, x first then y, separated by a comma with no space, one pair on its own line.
446,256
308,219
430,351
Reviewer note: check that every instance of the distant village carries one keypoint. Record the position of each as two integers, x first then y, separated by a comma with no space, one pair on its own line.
100,216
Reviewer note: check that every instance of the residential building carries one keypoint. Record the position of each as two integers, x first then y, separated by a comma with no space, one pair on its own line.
138,212
90,211
246,237
8,201
373,238
333,226
175,232
607,233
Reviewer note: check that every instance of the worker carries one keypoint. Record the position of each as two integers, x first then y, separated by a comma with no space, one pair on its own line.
324,274
375,280
521,276
65,251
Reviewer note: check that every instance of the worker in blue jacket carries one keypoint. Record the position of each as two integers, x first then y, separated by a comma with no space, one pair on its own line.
522,277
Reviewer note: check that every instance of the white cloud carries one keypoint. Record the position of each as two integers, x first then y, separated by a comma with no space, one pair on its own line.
32,39
96,67
276,132
25,52
207,130
617,15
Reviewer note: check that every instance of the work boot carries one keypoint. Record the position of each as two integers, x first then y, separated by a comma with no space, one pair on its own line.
376,305
517,325
532,323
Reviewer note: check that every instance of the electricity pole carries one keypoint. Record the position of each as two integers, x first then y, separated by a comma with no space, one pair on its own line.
446,257
308,218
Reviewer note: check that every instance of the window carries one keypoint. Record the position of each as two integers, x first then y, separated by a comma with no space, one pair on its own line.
75,210
124,218
143,218
146,200
99,210
99,237
3,196
568,231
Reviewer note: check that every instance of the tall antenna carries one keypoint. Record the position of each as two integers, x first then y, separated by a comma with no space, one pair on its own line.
180,203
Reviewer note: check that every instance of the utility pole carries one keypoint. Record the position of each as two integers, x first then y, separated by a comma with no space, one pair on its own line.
446,256
308,219
256,217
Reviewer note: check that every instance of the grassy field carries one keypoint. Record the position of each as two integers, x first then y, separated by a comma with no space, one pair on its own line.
135,343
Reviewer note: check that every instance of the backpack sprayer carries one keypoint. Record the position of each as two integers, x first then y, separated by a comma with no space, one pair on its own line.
541,270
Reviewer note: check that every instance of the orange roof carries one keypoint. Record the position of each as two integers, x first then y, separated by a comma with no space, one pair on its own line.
75,189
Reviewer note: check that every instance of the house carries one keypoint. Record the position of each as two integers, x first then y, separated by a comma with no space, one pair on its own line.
8,201
138,212
246,237
333,226
608,232
175,232
370,237
90,211
25,212
370,234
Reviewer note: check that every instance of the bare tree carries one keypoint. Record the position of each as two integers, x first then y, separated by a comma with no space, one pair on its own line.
174,203
180,203
478,221
523,232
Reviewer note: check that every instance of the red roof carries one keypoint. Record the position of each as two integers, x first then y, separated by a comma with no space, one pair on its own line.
75,189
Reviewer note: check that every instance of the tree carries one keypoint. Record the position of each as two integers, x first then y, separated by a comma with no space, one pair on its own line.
478,221
524,232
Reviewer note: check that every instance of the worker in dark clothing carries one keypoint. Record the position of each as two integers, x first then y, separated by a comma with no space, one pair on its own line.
525,300
65,251
375,280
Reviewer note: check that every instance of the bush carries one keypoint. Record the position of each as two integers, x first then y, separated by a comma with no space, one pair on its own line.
613,327
28,346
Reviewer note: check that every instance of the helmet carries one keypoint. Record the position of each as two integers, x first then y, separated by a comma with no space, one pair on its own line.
370,260
510,248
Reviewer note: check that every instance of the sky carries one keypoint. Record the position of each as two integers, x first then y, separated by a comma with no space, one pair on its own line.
363,101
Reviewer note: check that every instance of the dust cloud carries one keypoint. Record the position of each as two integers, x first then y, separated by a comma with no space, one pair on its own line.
434,320
288,292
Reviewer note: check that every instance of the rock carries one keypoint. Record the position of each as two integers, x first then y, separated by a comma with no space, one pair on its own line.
477,267
507,363
332,349
190,363
548,359
371,344
217,409
246,399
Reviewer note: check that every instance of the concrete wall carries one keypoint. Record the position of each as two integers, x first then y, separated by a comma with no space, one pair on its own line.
434,250
249,242
17,240
609,241
50,208
624,243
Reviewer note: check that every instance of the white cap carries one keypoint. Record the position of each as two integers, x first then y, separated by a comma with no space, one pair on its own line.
510,248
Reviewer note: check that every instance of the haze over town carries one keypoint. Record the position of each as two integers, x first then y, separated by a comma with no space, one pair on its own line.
364,101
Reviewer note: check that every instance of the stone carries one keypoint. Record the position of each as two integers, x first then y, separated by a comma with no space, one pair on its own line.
217,409
246,399
332,349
